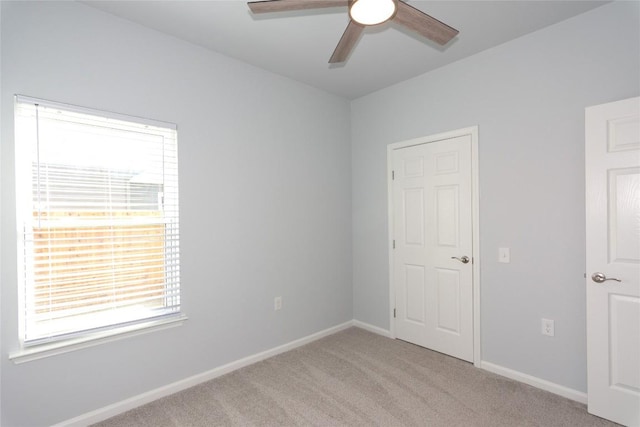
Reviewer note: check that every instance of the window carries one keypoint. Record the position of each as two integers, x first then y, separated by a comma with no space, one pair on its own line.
97,214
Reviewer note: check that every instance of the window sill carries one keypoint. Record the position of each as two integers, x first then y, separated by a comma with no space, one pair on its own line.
51,349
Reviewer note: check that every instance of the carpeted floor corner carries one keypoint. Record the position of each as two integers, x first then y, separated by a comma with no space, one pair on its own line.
357,378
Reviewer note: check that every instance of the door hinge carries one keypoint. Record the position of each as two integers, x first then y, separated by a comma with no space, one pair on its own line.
394,244
394,313
393,175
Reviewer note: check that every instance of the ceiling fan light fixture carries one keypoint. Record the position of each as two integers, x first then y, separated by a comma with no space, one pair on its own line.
372,12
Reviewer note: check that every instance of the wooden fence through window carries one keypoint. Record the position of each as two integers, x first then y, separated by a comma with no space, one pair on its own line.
98,260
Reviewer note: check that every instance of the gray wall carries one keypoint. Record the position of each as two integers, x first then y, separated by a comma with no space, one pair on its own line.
265,202
1,318
528,98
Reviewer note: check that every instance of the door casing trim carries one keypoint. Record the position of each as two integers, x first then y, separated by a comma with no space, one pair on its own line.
475,204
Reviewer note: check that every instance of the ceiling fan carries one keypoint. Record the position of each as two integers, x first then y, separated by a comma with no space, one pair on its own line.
364,13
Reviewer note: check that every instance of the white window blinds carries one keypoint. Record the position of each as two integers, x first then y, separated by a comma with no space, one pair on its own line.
98,220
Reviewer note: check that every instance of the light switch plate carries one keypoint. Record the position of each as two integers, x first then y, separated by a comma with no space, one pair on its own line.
504,255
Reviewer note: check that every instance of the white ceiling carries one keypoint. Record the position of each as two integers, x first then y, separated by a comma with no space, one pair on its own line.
299,44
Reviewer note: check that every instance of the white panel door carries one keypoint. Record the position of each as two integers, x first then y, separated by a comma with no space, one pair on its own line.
613,260
432,229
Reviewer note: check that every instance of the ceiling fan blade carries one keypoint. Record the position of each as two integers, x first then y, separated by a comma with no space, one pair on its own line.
423,24
286,5
347,42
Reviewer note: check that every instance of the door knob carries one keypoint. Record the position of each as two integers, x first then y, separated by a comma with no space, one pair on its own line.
464,259
600,278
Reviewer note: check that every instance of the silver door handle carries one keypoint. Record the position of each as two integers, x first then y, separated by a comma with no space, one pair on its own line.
600,278
464,259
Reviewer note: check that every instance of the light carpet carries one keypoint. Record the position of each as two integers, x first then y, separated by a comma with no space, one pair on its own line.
357,378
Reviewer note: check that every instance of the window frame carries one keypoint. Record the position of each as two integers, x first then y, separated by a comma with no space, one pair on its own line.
36,349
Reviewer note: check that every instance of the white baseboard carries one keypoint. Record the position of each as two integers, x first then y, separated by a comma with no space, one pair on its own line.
558,389
144,398
371,328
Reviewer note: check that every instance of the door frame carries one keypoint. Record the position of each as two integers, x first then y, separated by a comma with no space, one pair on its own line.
475,203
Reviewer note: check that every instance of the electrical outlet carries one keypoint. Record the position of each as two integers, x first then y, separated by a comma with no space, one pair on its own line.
548,327
277,303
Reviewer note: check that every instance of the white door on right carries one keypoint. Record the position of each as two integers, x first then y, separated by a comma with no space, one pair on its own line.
612,155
